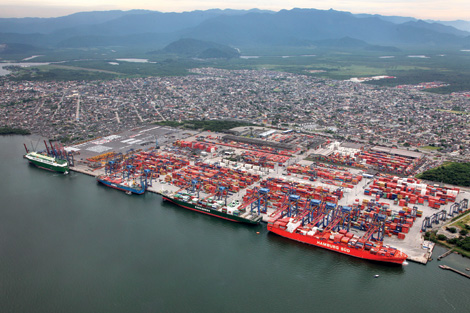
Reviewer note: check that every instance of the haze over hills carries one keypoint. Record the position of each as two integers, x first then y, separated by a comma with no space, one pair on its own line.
236,28
458,24
104,21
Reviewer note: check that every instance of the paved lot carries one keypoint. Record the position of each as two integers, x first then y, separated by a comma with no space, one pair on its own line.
141,138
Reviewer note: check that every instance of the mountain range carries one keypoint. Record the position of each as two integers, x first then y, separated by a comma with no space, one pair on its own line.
236,28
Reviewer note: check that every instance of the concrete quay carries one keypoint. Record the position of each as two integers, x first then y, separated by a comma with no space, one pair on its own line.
414,245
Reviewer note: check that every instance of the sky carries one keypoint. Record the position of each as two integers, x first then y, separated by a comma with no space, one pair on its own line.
446,10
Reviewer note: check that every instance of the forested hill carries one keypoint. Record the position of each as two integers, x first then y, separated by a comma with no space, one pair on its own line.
296,27
199,49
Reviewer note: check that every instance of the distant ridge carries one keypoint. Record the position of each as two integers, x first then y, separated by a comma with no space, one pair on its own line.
154,30
458,24
444,29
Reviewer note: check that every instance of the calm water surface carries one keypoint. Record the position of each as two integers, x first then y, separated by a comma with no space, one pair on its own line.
70,245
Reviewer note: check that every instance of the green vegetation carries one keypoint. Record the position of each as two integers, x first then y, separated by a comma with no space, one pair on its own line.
13,131
165,67
460,245
454,111
104,70
170,123
464,243
451,173
461,221
344,65
48,73
452,230
199,49
430,148
457,79
310,61
341,66
431,236
441,237
212,125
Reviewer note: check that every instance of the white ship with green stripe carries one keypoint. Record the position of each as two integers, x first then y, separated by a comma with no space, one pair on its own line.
47,162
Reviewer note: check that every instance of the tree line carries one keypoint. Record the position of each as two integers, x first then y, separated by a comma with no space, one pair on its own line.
13,131
452,173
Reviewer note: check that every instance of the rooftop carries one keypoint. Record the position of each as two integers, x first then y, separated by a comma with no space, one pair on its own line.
399,152
259,142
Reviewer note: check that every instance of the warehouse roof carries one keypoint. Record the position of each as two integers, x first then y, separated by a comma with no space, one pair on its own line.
258,142
399,152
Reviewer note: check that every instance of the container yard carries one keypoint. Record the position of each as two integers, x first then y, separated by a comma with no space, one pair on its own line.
393,161
379,217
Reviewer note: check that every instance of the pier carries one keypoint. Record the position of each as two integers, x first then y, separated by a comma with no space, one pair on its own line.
205,172
419,254
445,267
445,254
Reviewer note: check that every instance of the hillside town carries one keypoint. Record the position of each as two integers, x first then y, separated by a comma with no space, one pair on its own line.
395,117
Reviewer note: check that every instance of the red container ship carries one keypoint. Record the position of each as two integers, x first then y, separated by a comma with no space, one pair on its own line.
342,241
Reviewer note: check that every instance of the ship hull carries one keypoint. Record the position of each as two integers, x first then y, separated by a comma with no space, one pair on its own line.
211,212
338,247
49,166
126,189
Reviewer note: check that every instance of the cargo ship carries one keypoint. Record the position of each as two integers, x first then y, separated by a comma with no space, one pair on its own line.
213,207
342,241
47,162
129,186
